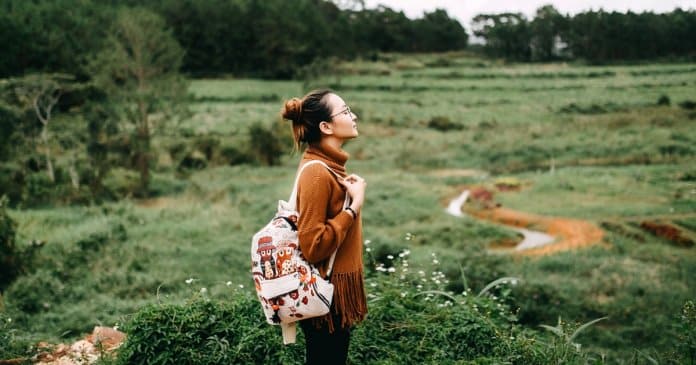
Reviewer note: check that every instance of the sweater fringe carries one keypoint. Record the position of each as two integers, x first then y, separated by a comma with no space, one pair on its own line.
349,301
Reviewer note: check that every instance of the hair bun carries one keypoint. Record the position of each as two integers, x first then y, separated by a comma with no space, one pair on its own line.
293,110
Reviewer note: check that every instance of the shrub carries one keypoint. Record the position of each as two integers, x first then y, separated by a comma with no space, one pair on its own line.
10,346
265,144
406,324
10,260
686,346
688,104
663,100
35,292
443,124
205,332
231,155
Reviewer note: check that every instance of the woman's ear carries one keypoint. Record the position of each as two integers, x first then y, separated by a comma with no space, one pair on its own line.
325,128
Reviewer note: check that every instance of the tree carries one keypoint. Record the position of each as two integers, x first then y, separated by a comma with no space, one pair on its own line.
50,35
437,32
138,68
546,29
43,93
506,34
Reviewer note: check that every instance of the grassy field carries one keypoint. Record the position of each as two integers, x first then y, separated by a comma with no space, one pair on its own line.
590,143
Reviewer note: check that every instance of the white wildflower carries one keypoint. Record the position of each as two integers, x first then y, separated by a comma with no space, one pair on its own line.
391,269
390,257
241,286
368,249
204,290
189,280
367,242
229,283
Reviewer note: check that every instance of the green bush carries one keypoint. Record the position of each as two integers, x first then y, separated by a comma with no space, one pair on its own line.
205,332
443,124
265,144
663,100
10,259
411,320
686,346
11,347
35,292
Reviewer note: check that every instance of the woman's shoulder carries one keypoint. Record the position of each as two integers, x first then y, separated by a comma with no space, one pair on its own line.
313,170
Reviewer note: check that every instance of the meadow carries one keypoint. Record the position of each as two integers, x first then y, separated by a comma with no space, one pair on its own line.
613,145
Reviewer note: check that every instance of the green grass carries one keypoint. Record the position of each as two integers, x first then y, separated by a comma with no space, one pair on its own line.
587,143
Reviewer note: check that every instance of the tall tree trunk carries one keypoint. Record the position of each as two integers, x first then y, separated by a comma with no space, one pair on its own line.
74,177
47,153
143,149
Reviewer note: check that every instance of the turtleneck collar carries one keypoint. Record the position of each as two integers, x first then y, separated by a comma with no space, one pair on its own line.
334,157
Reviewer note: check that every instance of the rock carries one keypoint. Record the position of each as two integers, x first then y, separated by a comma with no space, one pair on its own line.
85,351
107,337
83,347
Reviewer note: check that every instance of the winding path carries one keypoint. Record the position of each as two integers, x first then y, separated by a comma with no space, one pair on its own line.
559,233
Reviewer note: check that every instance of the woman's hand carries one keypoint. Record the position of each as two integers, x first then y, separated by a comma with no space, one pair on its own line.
355,186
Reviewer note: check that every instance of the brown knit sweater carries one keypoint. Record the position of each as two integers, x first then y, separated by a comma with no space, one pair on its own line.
324,226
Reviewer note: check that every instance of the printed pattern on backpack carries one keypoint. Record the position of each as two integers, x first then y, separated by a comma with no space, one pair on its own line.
288,287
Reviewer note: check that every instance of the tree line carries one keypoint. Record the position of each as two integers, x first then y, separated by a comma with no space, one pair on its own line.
260,38
592,36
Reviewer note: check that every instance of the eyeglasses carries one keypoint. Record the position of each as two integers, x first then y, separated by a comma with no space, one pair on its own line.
345,111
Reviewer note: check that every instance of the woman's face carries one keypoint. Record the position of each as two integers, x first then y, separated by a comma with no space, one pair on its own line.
343,120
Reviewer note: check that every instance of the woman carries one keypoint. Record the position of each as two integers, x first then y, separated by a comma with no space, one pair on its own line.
322,121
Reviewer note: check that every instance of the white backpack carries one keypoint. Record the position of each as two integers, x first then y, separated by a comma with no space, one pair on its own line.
289,288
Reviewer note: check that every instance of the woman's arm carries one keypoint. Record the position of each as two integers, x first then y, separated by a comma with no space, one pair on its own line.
319,234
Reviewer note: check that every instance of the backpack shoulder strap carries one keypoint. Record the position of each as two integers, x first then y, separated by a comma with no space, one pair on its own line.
293,201
293,196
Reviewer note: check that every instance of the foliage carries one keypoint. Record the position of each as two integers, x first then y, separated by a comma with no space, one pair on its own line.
686,346
265,144
204,332
258,38
12,347
443,124
399,328
41,36
507,34
138,68
10,261
595,36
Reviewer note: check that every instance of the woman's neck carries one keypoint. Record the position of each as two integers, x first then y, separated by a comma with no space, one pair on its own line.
330,142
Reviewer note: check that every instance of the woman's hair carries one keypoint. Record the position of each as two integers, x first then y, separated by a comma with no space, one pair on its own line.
306,114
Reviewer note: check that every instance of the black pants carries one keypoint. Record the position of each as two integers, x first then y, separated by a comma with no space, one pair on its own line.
323,347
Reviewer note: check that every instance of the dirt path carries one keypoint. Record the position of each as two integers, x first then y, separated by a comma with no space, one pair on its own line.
557,234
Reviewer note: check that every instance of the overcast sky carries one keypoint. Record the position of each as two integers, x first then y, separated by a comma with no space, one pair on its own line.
464,10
